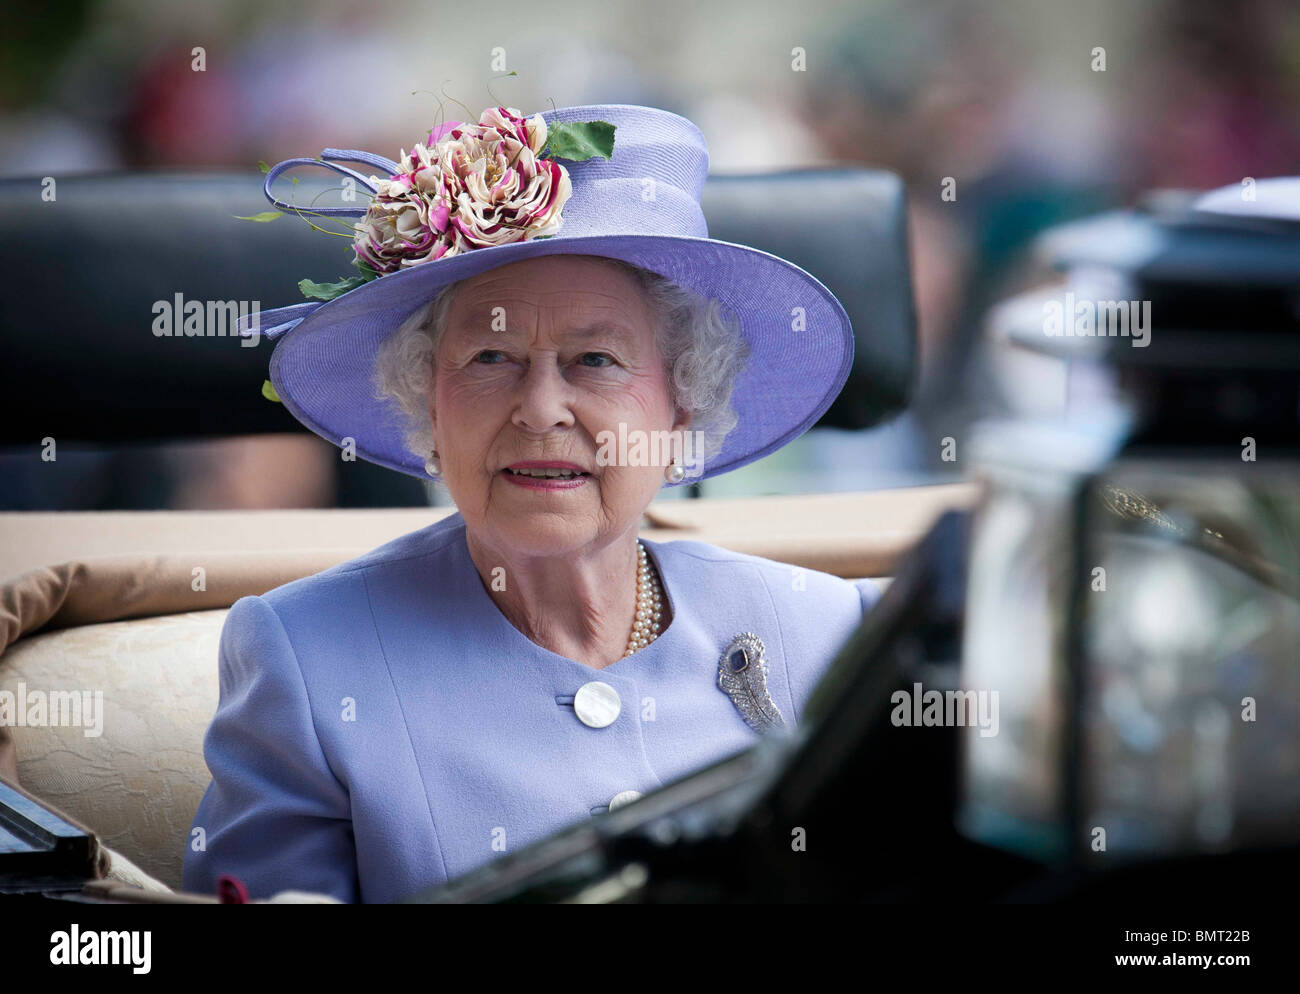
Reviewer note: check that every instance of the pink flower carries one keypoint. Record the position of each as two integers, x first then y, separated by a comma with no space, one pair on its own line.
470,186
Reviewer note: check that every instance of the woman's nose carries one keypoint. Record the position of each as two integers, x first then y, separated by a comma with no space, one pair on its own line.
543,398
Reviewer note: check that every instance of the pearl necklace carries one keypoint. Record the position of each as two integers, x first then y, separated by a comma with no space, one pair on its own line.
649,603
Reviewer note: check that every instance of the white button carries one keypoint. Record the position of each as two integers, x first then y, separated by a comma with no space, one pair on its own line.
597,704
623,797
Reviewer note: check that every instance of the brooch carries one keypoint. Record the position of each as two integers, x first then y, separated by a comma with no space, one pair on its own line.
742,676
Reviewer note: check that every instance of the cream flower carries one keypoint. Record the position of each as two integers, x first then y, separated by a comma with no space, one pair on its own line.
477,185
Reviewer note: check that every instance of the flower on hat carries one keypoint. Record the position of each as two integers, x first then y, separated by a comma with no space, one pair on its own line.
470,186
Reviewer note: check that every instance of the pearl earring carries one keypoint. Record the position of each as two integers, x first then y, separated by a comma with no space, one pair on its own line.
431,465
674,473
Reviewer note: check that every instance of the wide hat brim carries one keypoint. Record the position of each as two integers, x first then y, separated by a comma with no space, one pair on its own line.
799,336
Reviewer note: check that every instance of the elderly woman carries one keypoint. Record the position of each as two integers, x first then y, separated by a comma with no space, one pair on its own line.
530,333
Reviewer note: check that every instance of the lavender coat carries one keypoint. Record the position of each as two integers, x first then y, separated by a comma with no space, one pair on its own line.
383,728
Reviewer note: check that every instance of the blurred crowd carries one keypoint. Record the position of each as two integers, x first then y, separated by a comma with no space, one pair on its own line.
1004,99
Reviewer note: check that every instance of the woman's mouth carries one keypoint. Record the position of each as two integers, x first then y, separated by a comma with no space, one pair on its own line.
546,476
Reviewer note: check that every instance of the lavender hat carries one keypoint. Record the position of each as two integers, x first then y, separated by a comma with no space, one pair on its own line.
641,205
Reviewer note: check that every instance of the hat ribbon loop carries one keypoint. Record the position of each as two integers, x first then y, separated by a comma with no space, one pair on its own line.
328,158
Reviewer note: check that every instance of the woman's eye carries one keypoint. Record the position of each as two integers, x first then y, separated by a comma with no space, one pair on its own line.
490,356
596,359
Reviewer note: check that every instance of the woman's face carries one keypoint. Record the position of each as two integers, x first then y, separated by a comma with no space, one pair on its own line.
536,360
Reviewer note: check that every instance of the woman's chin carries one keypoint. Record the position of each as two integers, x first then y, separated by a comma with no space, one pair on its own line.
538,519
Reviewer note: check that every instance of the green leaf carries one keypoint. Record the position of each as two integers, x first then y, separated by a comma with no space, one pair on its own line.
268,391
263,166
367,273
328,291
580,140
264,216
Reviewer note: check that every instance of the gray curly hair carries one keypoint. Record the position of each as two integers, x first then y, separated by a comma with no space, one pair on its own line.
700,341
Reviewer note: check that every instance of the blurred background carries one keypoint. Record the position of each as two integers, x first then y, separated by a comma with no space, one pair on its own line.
1004,98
